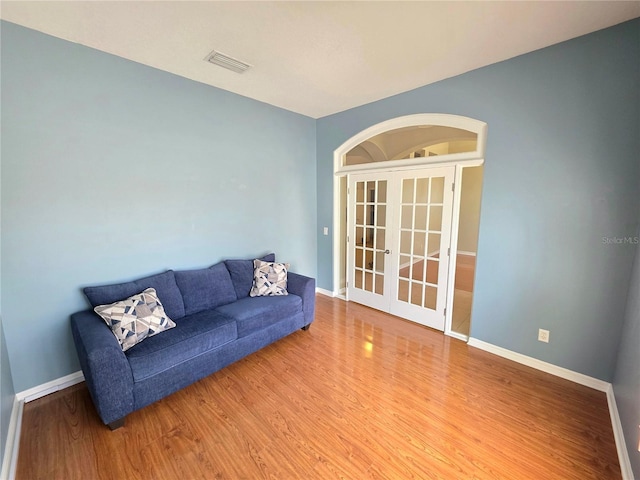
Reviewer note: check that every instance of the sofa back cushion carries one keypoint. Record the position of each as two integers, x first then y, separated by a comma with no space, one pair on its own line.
241,272
206,288
164,284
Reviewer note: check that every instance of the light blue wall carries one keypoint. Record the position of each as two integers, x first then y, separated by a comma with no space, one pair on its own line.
112,170
626,382
562,171
7,392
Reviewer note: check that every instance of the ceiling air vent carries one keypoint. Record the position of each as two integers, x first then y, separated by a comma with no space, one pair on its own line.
227,62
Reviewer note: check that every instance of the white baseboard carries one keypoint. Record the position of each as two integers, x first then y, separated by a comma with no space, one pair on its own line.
10,459
565,373
34,393
618,434
322,291
341,294
595,383
457,335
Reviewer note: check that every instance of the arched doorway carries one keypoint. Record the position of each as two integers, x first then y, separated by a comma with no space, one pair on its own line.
401,147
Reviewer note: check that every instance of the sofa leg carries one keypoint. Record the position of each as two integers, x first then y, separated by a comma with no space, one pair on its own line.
116,424
306,327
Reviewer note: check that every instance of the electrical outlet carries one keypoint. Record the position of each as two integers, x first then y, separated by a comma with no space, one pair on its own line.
543,335
325,230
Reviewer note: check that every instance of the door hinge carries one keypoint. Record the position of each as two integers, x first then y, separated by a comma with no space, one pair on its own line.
347,284
347,238
348,191
449,251
453,187
445,312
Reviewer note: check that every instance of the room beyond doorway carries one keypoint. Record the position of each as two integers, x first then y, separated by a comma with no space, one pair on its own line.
467,249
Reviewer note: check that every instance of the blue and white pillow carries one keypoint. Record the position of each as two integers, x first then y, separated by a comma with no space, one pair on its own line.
136,318
269,279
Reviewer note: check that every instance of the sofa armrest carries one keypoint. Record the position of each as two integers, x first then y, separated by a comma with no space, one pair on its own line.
106,368
304,287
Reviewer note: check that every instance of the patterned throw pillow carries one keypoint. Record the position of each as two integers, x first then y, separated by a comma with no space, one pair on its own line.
136,318
269,278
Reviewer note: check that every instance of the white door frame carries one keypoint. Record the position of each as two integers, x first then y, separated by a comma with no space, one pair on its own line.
460,159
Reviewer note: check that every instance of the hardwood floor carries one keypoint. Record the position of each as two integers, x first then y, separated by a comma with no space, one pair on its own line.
361,394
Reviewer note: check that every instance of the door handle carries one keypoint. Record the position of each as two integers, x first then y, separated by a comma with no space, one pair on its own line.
387,251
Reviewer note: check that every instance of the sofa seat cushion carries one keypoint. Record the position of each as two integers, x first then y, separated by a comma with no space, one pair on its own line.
254,313
192,336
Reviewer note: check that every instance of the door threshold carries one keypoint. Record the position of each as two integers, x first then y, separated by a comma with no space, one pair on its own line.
459,336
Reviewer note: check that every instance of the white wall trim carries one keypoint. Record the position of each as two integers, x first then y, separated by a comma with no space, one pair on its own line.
440,119
61,383
595,383
561,372
409,163
10,459
453,249
323,291
618,434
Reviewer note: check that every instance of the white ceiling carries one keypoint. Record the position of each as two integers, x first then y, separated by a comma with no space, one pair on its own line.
319,58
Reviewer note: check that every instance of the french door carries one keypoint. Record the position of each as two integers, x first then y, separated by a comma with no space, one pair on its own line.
399,226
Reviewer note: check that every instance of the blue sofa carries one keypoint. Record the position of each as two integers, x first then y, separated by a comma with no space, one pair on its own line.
217,323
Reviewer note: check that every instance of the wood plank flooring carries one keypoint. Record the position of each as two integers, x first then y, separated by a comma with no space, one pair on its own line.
361,394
